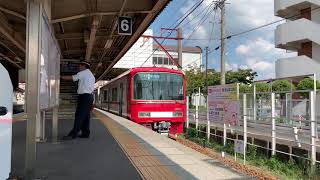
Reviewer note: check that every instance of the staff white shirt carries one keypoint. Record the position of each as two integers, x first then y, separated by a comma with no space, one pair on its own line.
86,81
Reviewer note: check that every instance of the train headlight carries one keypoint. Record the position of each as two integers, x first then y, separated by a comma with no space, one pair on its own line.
144,114
177,114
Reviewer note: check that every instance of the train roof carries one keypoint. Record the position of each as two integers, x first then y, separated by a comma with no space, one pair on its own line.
145,69
154,69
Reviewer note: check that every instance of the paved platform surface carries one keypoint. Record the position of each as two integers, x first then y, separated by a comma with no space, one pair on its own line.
99,157
183,161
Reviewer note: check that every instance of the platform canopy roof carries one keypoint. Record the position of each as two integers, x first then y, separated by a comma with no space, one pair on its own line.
85,29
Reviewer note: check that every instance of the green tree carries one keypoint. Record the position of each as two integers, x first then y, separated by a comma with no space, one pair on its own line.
282,85
196,78
307,84
245,88
244,76
262,87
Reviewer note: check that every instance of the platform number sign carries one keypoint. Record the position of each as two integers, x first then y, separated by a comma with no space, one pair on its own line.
125,25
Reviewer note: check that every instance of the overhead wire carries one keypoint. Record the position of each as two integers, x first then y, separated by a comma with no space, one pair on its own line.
266,25
201,21
195,16
250,30
194,8
175,22
183,24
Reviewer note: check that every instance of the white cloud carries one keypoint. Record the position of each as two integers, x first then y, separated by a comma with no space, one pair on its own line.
260,65
260,55
254,50
242,49
234,67
265,69
249,13
258,46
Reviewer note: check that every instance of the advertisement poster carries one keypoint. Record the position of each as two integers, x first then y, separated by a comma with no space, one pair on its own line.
49,67
223,103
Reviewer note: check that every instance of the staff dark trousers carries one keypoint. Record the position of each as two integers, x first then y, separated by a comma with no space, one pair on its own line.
82,116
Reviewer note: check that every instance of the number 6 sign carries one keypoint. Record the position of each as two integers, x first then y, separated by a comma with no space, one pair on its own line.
125,25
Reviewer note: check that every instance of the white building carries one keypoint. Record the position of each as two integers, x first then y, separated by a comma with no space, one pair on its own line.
141,54
300,33
191,56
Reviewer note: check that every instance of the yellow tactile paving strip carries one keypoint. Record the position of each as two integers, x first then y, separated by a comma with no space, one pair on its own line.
148,165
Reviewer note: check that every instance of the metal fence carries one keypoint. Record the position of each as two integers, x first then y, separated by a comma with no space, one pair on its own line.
279,118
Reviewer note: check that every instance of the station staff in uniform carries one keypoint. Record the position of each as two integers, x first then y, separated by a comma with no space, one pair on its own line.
85,100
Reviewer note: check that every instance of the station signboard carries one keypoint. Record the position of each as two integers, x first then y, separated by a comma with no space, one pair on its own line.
125,25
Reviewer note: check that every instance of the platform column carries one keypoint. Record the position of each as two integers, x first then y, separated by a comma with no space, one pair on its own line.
55,112
208,122
313,130
255,105
273,119
33,45
245,116
187,113
197,110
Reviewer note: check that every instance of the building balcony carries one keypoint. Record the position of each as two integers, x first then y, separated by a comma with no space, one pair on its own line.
296,66
289,8
291,34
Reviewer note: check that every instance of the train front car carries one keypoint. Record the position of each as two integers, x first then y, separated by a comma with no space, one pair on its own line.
158,99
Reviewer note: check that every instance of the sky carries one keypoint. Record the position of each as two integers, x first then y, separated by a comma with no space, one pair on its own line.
253,50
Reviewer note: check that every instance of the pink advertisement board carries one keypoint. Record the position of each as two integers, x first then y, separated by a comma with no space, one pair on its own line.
223,103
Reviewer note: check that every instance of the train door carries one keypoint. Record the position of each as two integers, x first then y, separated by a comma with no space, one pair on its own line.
105,99
120,99
125,102
109,99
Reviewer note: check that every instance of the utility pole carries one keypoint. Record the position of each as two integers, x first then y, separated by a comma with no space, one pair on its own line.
179,31
207,69
223,73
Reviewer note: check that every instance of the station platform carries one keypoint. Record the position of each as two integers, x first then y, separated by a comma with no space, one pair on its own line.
117,149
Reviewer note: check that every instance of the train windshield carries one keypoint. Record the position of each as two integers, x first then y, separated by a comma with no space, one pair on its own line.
158,86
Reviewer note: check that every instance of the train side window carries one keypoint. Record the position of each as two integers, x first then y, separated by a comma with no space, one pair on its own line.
105,96
114,94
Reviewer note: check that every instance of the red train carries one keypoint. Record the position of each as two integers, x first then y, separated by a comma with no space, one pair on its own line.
151,96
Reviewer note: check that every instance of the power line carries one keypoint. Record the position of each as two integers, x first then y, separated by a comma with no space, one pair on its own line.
195,7
189,11
174,12
249,30
202,20
214,18
209,52
201,12
268,24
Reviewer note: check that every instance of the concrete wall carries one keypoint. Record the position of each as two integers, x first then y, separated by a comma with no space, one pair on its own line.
315,14
298,35
295,66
